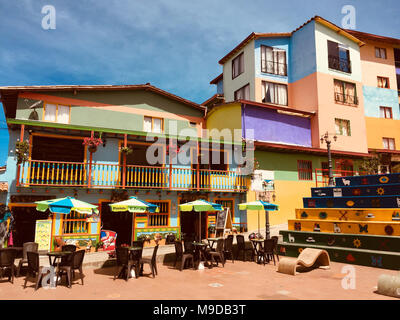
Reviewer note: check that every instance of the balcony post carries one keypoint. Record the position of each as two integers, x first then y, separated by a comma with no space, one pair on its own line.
124,162
90,165
21,138
198,168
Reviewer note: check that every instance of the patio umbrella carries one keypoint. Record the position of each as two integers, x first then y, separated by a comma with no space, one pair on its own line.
133,205
66,205
200,206
260,205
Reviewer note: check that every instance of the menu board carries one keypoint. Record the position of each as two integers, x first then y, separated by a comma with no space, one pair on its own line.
223,219
43,234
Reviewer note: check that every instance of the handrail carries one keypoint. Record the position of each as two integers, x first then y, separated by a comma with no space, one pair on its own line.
109,175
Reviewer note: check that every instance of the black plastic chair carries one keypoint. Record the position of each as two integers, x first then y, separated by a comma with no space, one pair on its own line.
228,247
182,256
268,250
126,263
27,247
189,247
7,258
241,247
219,253
275,238
66,261
152,262
34,268
138,243
76,262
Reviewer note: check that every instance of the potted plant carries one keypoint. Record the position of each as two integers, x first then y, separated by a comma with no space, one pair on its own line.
92,143
22,151
99,246
126,150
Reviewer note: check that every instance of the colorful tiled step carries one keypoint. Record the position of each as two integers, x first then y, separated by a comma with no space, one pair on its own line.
368,180
342,191
370,258
368,214
351,241
353,202
347,227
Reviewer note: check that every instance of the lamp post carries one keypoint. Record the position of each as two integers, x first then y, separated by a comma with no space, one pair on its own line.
325,138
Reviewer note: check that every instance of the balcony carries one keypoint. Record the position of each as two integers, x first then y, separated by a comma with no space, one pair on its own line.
102,175
346,98
340,64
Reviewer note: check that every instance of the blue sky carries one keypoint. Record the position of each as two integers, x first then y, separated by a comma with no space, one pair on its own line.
173,44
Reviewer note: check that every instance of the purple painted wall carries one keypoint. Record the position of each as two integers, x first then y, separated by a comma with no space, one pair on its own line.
271,126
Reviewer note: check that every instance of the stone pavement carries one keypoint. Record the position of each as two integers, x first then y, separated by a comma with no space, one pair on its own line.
239,280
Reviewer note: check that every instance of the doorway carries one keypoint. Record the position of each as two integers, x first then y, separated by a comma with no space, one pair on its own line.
120,222
25,224
190,224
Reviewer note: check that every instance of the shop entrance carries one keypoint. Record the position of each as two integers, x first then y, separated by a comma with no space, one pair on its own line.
120,222
190,224
25,224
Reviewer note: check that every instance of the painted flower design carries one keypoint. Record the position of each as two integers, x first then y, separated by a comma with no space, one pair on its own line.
380,191
357,243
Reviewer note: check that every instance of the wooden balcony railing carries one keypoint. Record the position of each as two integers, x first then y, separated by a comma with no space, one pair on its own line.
103,175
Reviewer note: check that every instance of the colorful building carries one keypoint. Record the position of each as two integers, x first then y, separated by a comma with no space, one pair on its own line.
55,120
380,61
291,88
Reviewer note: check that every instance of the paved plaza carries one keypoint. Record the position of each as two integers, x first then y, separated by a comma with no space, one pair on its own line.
238,280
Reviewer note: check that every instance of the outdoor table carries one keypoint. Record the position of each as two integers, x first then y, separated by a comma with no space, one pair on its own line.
200,252
257,245
57,255
211,241
18,251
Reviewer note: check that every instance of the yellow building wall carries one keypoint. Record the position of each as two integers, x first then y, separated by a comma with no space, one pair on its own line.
289,197
377,128
227,116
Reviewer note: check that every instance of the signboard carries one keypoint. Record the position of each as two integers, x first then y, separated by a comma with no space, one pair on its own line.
263,180
108,238
224,220
43,234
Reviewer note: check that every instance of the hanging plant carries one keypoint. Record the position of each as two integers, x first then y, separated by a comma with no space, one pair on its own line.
22,151
92,143
126,150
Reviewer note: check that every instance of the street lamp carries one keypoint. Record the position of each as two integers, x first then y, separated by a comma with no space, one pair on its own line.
325,138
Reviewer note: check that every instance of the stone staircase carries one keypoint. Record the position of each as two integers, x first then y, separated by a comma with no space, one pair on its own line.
357,222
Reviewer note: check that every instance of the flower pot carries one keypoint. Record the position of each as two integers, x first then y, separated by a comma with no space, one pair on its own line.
92,149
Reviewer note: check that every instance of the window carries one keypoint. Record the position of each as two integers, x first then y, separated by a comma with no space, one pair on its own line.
383,82
342,127
388,143
75,223
274,93
56,113
217,160
238,65
345,92
273,61
304,169
154,125
325,169
159,219
339,57
243,93
380,53
386,112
